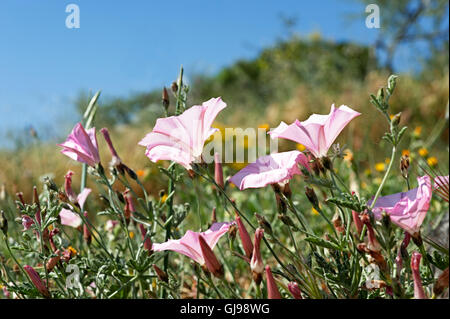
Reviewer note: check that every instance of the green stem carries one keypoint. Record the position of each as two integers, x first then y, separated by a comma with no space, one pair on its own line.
377,194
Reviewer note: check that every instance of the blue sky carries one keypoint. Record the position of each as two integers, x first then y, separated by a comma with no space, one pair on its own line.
127,46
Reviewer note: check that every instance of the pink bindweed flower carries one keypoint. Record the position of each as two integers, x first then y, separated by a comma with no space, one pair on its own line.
277,168
36,280
419,293
181,138
318,132
407,210
81,145
295,291
68,217
272,290
256,263
245,237
189,244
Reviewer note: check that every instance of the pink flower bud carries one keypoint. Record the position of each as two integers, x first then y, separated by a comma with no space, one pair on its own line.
256,263
68,187
245,237
211,261
294,289
272,290
115,158
357,221
148,242
36,280
218,171
419,293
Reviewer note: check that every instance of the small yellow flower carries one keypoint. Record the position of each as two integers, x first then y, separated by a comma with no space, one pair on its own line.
432,161
50,227
368,172
417,131
72,250
301,147
380,167
265,126
314,211
164,198
363,185
406,153
391,116
154,283
348,156
423,152
387,160
1,286
140,172
131,234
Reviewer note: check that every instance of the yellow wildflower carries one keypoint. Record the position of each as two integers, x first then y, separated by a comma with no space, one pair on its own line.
387,160
432,161
417,131
423,152
140,172
131,234
406,153
301,147
164,198
380,167
348,156
363,185
72,250
367,172
314,211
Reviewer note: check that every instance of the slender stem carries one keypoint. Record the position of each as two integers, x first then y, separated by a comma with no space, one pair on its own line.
377,194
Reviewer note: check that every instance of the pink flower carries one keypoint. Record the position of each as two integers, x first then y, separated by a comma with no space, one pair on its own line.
211,261
189,244
419,293
318,132
272,290
181,138
81,146
36,280
276,168
407,210
68,217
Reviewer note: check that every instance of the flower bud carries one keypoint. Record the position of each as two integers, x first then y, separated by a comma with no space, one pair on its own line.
337,223
36,280
68,187
3,223
218,171
211,262
245,237
419,293
404,165
161,274
312,197
256,263
294,289
264,224
272,289
357,222
165,99
148,242
53,261
395,121
115,161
